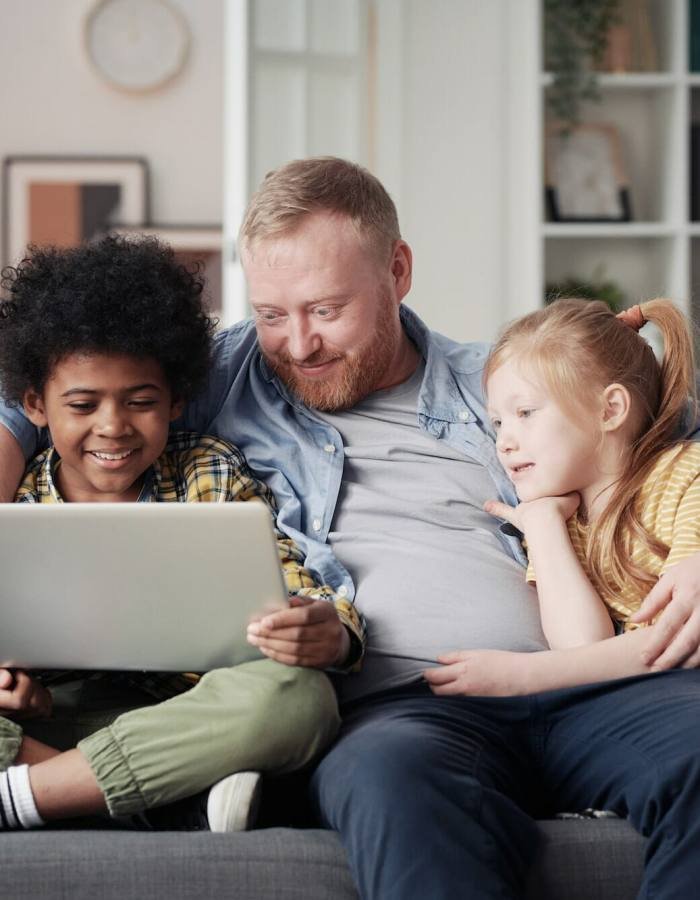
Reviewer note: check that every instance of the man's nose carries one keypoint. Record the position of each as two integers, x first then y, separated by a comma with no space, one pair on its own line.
303,340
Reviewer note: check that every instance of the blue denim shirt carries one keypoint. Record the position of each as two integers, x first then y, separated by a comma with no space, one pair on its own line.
301,457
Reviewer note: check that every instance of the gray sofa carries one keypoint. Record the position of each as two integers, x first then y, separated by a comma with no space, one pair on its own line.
578,860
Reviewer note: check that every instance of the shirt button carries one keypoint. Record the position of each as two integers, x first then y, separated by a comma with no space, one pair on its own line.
463,415
329,448
316,524
342,591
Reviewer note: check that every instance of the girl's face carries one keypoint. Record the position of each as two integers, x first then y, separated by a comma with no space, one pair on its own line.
544,450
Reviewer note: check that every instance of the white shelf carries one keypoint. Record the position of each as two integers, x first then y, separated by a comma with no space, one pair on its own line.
627,80
609,230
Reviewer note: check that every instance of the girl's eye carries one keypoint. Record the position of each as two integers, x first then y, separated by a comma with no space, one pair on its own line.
496,423
525,413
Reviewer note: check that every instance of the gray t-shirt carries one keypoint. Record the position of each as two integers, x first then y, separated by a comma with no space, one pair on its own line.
431,572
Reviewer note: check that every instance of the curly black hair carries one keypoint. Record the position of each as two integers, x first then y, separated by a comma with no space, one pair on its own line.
117,295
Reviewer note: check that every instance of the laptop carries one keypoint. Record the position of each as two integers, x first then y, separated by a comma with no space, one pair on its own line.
133,586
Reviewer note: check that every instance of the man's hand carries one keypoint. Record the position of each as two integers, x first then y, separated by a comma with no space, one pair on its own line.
480,673
22,696
531,512
673,640
309,633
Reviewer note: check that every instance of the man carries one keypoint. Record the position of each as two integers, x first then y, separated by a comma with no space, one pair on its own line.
371,431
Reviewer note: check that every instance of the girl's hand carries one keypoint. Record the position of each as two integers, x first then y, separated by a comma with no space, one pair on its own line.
481,673
22,696
526,514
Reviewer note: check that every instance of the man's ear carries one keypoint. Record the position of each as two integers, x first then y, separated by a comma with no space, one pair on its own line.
176,408
401,269
34,408
617,405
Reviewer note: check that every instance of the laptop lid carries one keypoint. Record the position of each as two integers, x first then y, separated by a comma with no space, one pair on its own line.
158,586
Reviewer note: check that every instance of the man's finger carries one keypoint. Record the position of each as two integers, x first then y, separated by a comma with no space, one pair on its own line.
657,598
683,646
662,633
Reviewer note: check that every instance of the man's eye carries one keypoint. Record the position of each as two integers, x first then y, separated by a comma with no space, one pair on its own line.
266,315
325,312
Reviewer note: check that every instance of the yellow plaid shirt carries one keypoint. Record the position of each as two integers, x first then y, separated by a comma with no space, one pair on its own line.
197,469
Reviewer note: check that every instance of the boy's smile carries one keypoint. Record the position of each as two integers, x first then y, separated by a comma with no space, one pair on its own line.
108,415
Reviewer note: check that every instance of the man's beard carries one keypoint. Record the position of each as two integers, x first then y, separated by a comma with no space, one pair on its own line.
357,373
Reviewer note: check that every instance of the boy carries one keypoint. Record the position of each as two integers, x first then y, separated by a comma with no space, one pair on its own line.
102,345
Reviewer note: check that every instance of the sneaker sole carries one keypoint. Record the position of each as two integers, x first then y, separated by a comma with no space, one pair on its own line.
233,802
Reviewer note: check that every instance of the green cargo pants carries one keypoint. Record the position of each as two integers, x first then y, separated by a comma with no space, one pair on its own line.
260,715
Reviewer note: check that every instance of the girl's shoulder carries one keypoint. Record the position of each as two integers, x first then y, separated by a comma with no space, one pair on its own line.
675,469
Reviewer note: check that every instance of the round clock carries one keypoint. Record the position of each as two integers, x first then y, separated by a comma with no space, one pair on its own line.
136,45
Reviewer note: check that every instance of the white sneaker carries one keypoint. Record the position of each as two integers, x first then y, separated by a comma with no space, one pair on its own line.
232,804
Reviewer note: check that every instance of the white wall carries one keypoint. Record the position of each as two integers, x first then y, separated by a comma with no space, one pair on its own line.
52,102
443,148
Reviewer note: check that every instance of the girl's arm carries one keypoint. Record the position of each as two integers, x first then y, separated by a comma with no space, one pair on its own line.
572,612
502,673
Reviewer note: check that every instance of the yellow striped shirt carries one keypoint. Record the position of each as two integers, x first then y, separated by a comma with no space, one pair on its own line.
669,509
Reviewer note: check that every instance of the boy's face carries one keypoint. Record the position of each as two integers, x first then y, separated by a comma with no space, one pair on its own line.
108,416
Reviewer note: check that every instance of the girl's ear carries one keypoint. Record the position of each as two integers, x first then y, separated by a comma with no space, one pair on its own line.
34,408
176,408
616,407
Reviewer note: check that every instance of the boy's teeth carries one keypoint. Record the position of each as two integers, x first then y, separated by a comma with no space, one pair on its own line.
111,455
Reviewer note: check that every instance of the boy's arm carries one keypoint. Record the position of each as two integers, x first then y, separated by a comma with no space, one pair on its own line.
571,609
501,673
12,465
319,629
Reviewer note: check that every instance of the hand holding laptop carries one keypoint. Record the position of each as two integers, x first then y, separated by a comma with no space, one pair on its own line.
308,633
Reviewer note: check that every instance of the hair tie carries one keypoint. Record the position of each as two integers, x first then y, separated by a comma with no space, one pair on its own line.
634,317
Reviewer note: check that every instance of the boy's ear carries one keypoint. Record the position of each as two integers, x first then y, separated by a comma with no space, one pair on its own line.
34,408
616,406
176,408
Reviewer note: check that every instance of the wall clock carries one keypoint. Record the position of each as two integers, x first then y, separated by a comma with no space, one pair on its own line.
136,45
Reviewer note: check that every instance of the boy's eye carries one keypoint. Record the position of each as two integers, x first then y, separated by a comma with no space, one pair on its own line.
81,405
145,403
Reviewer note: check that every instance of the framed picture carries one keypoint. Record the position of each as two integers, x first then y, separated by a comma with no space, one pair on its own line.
64,200
585,179
192,244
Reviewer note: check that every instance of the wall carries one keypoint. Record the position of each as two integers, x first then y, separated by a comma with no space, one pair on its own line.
451,156
52,102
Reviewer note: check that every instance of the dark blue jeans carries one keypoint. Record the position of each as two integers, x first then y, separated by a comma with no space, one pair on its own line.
434,797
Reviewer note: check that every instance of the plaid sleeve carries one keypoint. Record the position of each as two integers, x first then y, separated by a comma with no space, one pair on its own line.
216,471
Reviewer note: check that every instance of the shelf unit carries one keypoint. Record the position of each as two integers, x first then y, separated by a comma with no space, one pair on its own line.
658,252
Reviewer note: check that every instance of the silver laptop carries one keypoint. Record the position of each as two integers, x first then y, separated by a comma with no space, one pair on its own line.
159,586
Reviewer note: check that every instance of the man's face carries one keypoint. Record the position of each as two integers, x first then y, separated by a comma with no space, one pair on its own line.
326,310
109,417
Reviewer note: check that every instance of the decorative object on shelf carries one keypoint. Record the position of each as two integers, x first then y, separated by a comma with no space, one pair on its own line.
630,40
137,45
598,287
575,37
585,178
193,244
63,200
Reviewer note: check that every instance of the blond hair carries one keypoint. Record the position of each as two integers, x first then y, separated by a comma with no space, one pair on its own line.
299,188
577,348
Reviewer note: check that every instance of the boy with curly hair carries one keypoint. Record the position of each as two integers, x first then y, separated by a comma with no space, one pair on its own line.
102,345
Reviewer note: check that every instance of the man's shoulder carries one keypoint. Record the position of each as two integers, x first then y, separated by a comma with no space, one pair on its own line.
463,357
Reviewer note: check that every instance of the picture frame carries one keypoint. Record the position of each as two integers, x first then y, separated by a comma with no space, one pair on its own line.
585,178
192,244
65,200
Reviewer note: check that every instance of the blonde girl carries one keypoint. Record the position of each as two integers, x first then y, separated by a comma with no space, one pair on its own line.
587,426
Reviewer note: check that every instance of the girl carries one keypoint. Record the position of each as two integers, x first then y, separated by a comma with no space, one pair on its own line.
587,424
